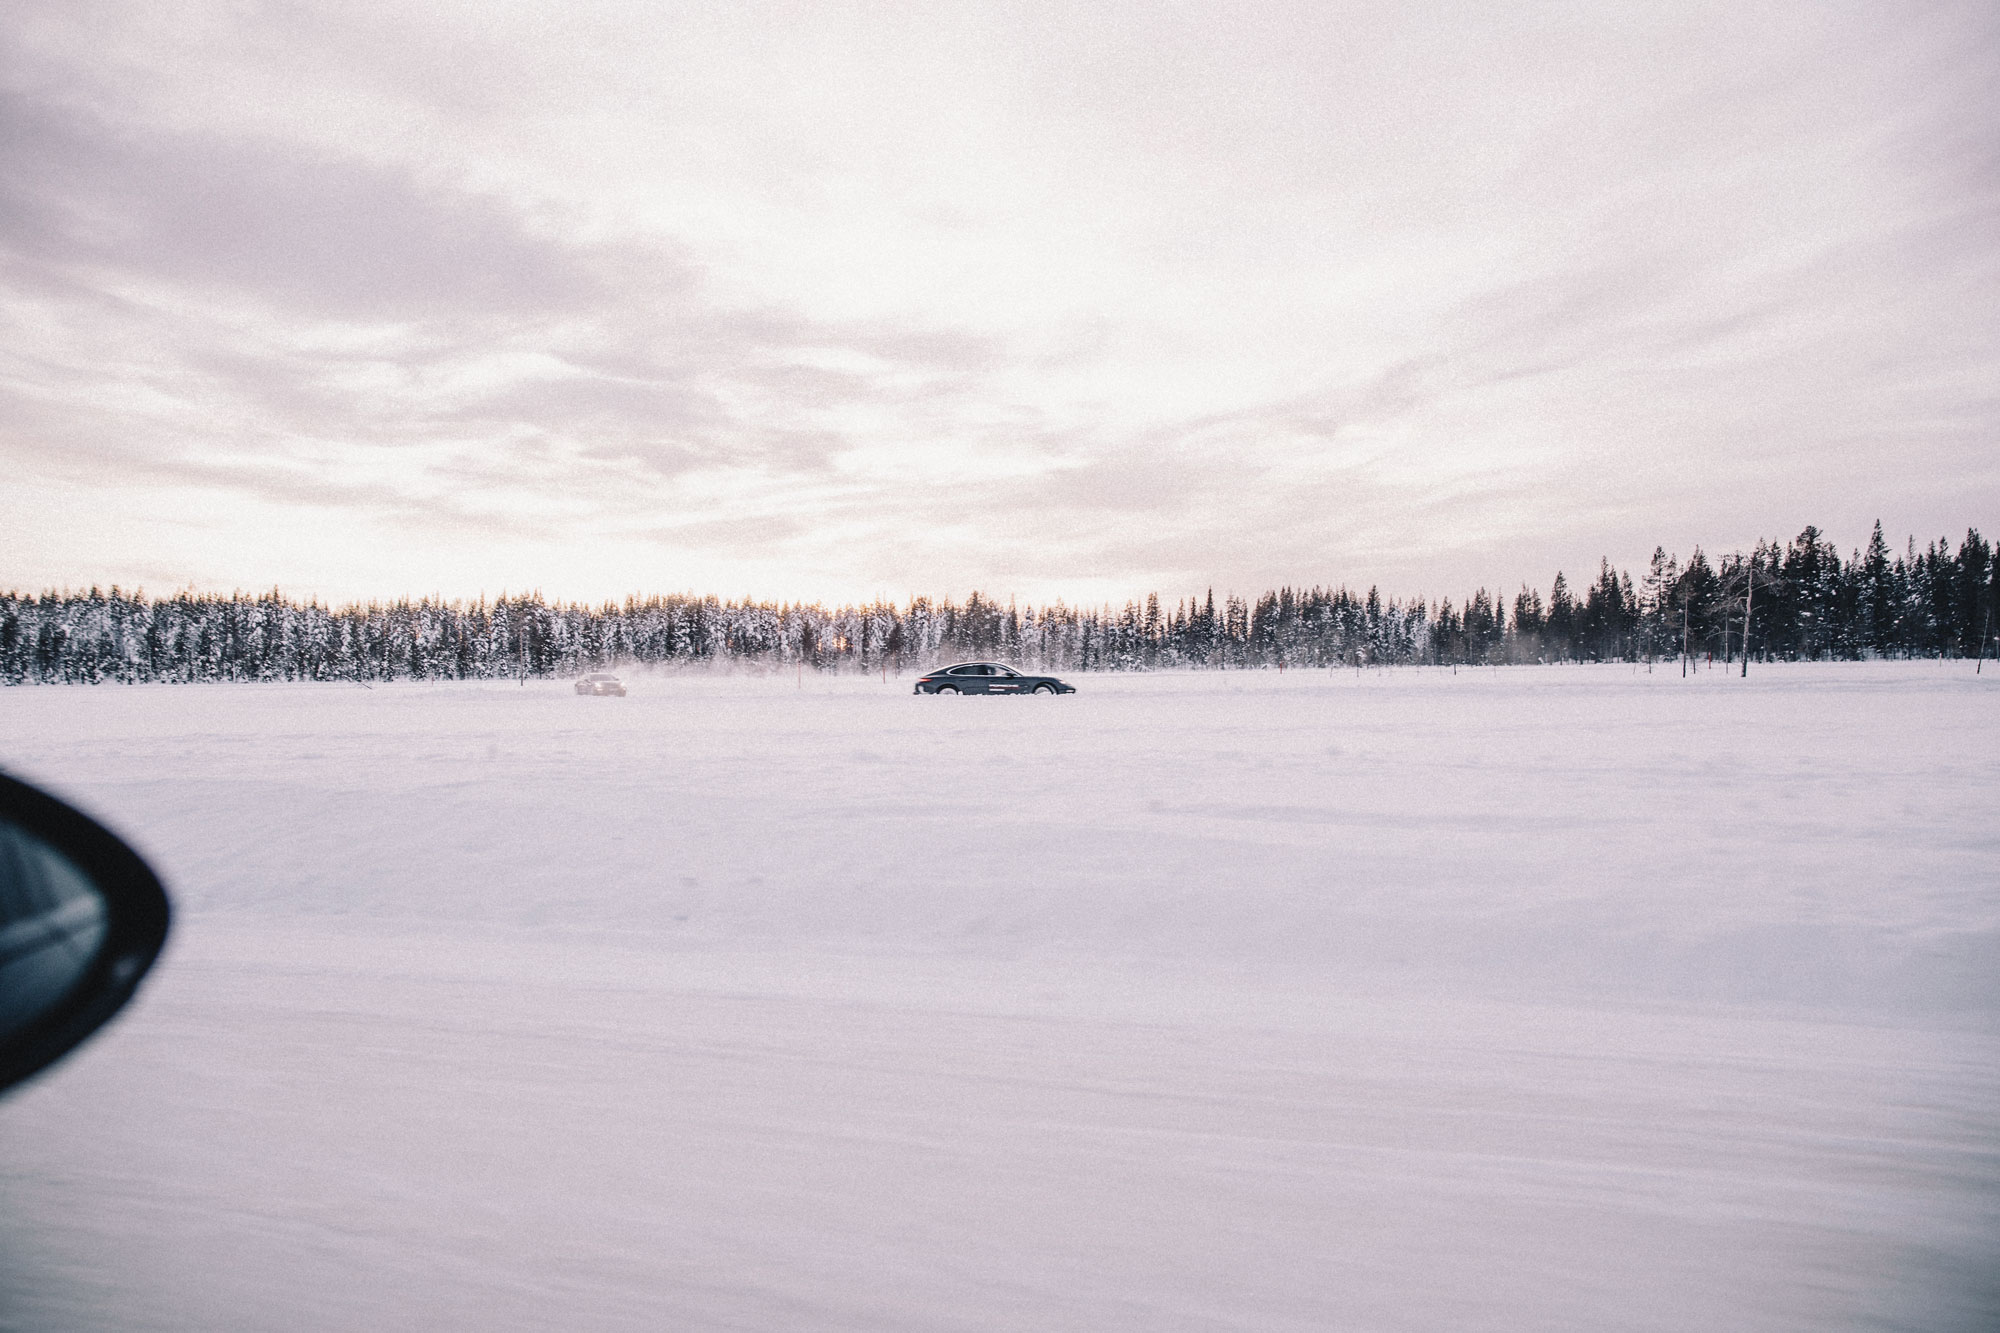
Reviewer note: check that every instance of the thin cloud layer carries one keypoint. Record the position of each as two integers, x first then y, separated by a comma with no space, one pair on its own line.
1044,300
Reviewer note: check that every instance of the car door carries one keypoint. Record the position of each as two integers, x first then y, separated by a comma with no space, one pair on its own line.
1005,681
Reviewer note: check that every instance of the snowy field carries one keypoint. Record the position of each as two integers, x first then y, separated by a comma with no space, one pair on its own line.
1539,998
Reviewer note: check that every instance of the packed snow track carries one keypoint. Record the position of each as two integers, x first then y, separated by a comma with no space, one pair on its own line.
1538,998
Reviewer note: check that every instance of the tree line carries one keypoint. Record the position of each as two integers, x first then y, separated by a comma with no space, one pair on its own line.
1793,601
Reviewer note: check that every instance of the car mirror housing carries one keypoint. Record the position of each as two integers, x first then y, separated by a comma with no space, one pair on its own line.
82,918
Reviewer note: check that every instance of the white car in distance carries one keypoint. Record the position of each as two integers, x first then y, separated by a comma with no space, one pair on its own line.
600,682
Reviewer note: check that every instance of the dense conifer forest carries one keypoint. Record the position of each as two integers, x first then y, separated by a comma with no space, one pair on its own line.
1803,601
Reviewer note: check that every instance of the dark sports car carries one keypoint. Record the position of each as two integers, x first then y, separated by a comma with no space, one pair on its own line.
988,678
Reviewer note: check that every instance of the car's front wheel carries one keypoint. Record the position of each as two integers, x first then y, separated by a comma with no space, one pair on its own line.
1045,688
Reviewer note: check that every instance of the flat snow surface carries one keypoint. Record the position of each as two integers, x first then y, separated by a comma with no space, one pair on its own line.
1539,998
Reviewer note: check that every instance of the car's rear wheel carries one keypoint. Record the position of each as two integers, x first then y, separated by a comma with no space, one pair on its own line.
1045,688
947,689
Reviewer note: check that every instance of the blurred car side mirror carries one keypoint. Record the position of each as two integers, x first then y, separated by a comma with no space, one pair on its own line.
81,919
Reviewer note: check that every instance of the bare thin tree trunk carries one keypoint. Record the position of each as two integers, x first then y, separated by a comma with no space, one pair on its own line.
1749,594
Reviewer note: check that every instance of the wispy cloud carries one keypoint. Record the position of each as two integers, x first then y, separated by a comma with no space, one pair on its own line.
1042,299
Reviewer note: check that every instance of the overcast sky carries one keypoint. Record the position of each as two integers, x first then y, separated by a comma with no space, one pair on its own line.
1066,299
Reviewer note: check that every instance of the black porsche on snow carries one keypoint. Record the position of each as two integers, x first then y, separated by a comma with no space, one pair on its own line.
988,678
